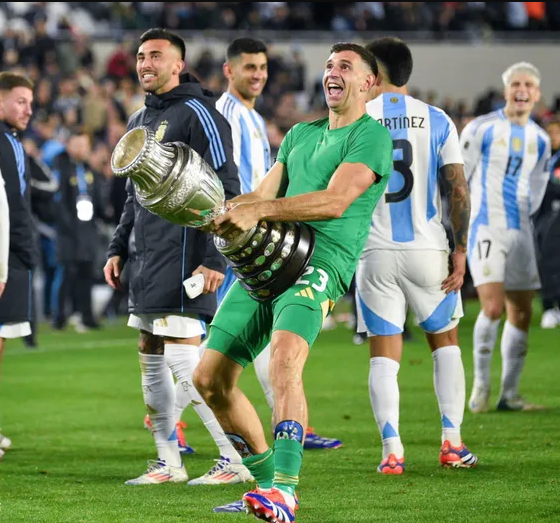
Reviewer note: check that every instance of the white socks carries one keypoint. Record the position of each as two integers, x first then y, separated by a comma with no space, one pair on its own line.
159,397
262,364
384,397
484,340
182,360
449,384
513,350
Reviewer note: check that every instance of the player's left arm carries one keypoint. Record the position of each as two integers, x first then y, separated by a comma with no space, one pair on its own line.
349,181
366,162
456,189
539,177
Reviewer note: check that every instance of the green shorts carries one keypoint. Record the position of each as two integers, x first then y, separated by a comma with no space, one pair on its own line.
242,327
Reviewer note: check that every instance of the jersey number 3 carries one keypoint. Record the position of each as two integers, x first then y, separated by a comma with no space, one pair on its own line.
402,166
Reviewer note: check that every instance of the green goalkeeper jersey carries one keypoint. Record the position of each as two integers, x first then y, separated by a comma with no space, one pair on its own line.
311,153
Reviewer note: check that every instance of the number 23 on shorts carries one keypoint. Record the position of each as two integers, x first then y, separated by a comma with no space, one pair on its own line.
314,282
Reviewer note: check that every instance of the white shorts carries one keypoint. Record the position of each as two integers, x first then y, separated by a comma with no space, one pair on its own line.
169,325
15,330
387,282
506,256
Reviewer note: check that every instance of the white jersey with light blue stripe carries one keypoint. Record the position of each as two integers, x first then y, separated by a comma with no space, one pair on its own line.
507,168
409,216
251,149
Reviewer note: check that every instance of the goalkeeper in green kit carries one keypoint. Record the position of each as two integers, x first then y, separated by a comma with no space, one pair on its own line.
329,173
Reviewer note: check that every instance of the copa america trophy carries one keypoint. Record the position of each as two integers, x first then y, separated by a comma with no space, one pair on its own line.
174,182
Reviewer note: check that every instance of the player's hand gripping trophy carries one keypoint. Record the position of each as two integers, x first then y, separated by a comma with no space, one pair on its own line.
174,182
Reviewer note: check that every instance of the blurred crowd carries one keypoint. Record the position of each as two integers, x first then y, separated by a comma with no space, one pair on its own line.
470,18
74,92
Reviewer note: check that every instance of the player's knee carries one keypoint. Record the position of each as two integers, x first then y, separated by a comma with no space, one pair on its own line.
493,309
209,386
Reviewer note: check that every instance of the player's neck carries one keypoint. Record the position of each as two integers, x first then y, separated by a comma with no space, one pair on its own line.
390,88
249,103
338,120
516,117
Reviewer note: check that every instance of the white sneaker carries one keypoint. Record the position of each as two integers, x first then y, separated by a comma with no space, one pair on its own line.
550,319
1,453
5,443
224,473
479,400
329,324
159,472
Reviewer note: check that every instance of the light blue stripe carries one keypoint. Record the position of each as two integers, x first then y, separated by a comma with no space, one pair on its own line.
376,324
400,212
511,178
55,290
183,269
482,216
264,139
439,133
389,431
246,161
442,315
229,279
446,423
203,325
228,109
553,159
216,135
208,133
20,161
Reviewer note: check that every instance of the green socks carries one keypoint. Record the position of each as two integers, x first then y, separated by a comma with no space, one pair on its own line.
261,466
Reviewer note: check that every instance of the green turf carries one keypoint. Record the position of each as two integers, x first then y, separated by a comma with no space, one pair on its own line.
74,411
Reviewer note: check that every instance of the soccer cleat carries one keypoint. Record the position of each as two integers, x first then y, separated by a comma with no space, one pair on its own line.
159,472
314,441
239,506
224,472
5,443
456,457
269,505
184,447
234,507
479,400
516,404
391,465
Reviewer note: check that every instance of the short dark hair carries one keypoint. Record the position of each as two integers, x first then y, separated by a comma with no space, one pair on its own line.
395,56
365,55
163,34
9,81
244,45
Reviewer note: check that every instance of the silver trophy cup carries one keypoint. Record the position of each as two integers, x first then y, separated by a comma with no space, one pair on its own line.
174,182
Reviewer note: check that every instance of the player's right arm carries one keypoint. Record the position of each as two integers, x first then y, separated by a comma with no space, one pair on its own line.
471,147
4,235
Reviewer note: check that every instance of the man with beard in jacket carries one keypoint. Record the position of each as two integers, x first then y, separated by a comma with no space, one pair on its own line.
16,97
172,326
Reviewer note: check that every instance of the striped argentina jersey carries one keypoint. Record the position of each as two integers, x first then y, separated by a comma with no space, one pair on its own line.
409,216
251,149
507,169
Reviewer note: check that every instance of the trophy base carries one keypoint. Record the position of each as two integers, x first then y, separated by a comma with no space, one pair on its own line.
272,258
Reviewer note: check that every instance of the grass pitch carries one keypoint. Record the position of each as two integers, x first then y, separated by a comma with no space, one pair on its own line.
74,411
